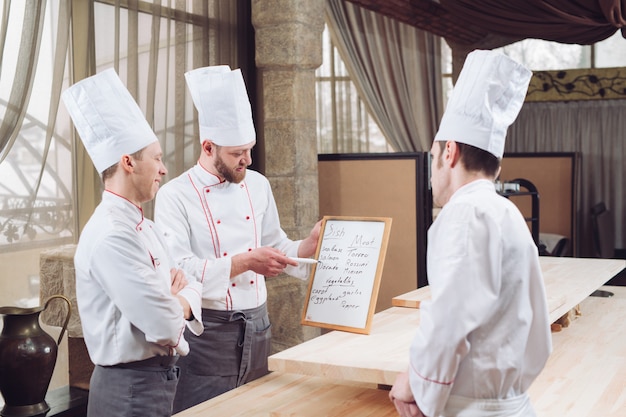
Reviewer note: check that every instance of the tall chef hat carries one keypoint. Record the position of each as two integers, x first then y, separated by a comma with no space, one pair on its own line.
224,112
107,118
485,101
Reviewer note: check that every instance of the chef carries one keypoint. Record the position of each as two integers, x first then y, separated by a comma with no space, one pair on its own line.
222,224
485,336
134,306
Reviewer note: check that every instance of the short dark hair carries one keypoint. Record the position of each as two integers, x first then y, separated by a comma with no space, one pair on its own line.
108,173
476,160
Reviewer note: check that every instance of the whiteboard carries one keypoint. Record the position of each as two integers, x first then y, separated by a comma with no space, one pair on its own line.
344,283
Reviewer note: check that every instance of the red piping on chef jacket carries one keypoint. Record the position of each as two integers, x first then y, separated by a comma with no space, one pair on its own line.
256,281
154,260
180,334
431,380
121,196
138,225
208,217
212,231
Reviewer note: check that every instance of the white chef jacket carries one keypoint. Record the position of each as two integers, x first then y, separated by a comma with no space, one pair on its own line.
123,288
486,332
206,221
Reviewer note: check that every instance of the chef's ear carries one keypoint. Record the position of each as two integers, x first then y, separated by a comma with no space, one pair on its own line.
452,153
127,162
208,147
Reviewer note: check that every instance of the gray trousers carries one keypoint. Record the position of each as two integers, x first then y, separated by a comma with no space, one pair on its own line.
232,350
137,389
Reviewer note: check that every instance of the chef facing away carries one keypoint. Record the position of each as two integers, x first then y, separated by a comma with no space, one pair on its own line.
485,335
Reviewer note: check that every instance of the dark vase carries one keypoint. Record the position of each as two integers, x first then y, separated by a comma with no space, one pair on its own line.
27,358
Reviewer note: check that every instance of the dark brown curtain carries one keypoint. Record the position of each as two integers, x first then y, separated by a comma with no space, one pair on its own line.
567,21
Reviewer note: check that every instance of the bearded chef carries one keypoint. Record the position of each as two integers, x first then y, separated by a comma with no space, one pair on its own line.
485,335
134,306
221,223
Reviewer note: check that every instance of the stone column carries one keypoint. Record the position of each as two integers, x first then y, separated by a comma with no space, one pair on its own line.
288,36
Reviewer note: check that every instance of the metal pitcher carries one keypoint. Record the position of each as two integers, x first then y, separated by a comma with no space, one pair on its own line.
27,358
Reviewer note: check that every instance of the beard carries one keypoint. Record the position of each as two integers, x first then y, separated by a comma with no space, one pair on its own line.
230,175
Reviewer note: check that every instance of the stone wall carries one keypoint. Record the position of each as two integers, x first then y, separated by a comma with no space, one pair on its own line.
288,36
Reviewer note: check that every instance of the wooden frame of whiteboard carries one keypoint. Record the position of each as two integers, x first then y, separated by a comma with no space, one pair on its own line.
375,285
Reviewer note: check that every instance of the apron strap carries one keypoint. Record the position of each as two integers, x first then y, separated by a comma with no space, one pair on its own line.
245,343
248,317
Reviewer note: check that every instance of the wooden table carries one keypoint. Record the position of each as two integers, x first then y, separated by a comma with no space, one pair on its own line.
283,395
375,358
585,377
586,373
576,278
378,357
338,373
65,401
568,281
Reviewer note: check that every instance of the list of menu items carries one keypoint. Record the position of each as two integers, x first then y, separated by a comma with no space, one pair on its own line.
344,284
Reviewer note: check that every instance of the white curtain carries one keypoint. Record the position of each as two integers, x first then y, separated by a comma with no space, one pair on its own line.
35,186
396,69
25,68
595,129
45,194
151,46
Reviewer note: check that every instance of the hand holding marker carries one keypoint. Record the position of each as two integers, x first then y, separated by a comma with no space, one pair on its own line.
305,260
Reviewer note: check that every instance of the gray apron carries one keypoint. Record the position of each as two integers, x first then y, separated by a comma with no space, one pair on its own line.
135,389
232,350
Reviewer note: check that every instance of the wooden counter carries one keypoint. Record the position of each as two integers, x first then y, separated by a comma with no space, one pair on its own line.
287,395
585,377
337,373
379,356
586,373
576,278
375,358
568,281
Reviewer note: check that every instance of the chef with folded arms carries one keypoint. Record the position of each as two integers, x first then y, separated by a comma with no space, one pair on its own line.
222,225
485,335
133,304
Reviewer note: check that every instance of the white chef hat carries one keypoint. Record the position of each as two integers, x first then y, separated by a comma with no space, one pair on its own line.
485,100
107,118
224,112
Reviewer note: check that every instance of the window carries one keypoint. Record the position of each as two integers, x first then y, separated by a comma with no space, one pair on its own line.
189,36
343,123
36,208
38,178
541,55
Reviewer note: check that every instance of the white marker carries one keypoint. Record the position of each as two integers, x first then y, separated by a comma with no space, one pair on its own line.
305,260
